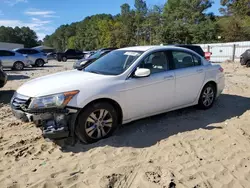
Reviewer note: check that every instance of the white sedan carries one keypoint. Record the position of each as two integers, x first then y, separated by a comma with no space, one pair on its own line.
125,85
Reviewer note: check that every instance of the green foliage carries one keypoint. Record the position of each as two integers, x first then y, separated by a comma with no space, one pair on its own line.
178,21
23,35
235,7
235,25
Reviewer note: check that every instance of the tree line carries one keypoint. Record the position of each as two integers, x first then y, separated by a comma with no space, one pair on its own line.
178,21
20,35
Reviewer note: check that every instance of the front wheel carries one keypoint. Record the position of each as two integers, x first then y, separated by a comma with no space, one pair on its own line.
207,97
96,122
40,63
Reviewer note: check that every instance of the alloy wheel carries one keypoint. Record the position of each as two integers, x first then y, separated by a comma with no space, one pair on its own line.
18,66
208,96
39,63
98,124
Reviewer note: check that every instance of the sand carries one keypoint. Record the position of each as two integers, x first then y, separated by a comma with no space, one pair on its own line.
184,148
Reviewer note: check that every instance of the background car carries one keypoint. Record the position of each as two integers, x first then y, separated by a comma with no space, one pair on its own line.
37,58
3,76
195,48
245,58
70,54
88,53
80,64
14,60
51,55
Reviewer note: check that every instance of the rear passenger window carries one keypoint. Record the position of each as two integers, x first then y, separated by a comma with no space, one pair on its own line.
6,53
33,52
185,60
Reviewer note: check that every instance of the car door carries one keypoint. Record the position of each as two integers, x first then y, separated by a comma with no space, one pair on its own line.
71,54
25,52
189,75
33,55
153,94
7,58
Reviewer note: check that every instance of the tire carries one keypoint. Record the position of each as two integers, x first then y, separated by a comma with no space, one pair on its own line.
39,62
248,63
89,129
18,65
207,97
64,59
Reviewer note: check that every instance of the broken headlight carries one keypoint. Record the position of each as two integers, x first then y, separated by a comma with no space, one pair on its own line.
52,101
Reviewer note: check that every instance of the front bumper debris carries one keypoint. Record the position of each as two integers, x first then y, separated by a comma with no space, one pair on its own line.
55,123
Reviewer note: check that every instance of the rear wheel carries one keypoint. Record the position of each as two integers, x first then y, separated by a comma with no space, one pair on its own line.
40,63
18,65
64,59
207,96
96,121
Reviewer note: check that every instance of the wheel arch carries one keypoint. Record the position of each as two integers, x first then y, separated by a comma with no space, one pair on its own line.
18,62
39,59
114,103
209,82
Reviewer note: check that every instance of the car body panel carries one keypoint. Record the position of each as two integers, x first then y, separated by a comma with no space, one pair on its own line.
9,60
245,57
137,97
32,54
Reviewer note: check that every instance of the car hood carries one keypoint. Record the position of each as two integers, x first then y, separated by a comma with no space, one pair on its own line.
60,82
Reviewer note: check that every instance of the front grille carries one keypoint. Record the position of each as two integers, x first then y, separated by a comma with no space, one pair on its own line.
20,102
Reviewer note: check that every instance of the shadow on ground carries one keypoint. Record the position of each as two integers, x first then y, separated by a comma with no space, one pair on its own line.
17,77
6,95
147,132
25,69
52,66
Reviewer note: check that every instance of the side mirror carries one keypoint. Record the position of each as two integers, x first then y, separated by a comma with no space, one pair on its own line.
142,72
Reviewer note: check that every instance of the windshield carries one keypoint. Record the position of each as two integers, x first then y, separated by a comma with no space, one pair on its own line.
114,63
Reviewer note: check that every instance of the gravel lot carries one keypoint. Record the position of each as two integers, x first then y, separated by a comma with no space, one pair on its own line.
186,148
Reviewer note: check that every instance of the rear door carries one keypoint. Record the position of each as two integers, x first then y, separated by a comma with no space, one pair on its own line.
33,55
7,57
190,75
71,54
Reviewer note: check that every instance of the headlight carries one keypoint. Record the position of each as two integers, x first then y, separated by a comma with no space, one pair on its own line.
52,101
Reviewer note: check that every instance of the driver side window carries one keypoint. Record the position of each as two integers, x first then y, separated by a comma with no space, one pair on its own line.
156,62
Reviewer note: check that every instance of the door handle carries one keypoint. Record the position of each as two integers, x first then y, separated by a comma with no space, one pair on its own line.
170,77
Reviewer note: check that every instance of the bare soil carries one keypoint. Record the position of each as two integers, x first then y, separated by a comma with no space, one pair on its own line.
184,148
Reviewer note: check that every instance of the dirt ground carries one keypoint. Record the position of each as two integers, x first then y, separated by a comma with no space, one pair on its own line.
185,148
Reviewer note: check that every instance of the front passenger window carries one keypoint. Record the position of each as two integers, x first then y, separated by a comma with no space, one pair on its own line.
156,62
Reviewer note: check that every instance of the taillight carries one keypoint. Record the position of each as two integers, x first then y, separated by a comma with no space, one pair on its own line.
221,69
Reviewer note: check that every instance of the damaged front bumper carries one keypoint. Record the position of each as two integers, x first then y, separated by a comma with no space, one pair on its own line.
55,123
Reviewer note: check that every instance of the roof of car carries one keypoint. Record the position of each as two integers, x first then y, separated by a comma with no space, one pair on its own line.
146,48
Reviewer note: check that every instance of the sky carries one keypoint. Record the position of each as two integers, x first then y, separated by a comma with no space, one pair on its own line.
44,16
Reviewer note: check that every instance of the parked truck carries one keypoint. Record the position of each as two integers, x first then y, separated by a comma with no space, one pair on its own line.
69,54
